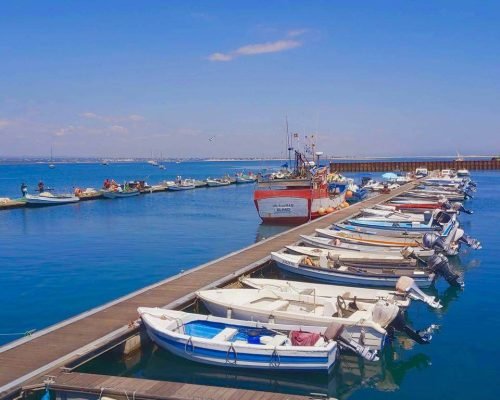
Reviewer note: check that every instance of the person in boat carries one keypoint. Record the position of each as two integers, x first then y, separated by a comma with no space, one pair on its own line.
24,189
41,187
106,184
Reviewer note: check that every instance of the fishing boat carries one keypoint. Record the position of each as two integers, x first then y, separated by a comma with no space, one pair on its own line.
120,193
218,182
401,295
246,344
347,257
182,184
323,270
369,239
88,194
49,199
366,322
463,172
308,194
246,178
335,243
388,213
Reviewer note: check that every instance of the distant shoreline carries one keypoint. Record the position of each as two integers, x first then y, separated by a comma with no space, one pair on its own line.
94,160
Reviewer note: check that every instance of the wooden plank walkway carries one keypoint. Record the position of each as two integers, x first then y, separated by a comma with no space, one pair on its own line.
150,389
28,359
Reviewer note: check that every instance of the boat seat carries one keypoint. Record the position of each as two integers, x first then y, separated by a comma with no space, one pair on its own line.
277,340
275,305
226,334
329,309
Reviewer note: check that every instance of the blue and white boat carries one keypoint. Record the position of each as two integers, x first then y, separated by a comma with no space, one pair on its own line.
240,344
323,270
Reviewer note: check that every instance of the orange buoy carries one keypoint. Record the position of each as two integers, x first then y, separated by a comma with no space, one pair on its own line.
346,204
321,211
329,210
348,194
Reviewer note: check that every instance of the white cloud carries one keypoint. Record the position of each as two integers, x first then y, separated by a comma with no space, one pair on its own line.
90,115
4,123
118,129
270,47
135,117
220,57
257,48
297,32
112,118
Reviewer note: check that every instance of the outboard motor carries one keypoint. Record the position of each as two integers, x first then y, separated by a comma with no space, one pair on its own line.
460,207
471,242
439,264
433,241
427,217
407,286
337,332
393,318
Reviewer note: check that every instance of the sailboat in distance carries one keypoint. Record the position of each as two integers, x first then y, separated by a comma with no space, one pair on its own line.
51,165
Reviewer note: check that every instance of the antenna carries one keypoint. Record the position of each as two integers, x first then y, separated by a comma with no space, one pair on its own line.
288,143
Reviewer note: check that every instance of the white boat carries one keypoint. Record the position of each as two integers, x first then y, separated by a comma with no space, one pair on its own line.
369,239
243,178
244,344
118,194
365,322
463,172
330,243
320,269
405,291
350,257
390,213
49,199
182,184
218,182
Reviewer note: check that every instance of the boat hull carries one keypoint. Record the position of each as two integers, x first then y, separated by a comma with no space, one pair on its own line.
294,205
328,276
38,201
120,195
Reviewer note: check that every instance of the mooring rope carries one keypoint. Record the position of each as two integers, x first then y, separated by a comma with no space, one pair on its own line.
27,333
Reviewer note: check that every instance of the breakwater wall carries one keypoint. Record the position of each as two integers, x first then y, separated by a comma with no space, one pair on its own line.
408,166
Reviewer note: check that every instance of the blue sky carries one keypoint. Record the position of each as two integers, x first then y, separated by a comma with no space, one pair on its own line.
125,78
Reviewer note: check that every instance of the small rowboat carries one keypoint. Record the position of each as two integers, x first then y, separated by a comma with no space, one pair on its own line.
365,321
368,239
186,184
323,270
218,182
358,258
244,344
242,178
49,199
115,194
405,291
331,243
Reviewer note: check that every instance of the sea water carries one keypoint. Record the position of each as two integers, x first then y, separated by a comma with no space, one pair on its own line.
57,262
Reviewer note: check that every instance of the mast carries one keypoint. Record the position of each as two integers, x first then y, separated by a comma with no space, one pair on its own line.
288,144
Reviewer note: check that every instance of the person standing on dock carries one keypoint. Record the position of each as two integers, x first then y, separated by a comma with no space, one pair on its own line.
24,189
41,187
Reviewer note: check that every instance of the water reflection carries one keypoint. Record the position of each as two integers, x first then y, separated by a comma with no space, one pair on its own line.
265,231
349,375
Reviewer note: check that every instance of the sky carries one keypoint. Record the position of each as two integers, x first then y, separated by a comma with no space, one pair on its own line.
215,78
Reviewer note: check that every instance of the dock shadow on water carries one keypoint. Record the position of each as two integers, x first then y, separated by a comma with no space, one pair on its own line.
349,375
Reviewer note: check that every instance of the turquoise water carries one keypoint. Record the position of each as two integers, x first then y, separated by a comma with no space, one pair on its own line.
56,262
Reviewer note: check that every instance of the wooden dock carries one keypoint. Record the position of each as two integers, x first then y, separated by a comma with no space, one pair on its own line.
26,361
411,166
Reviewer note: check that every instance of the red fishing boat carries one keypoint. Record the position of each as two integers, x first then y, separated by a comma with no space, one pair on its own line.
306,193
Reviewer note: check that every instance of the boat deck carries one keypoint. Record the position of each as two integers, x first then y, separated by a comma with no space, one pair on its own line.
27,360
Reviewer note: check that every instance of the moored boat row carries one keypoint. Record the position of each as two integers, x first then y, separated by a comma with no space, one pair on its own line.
358,278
